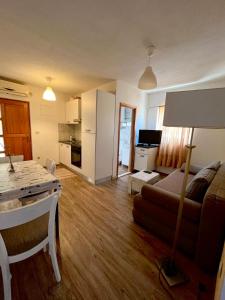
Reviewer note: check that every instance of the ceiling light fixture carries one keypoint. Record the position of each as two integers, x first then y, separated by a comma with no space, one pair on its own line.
148,80
49,94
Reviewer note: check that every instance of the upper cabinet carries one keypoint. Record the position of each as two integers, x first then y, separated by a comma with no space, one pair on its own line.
89,108
73,111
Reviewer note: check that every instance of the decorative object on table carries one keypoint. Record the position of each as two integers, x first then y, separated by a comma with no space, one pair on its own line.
148,79
191,109
49,94
11,169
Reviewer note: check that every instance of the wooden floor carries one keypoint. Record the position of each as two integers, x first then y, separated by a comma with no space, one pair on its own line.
102,253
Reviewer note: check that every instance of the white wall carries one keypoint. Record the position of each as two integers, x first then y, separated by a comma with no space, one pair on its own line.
210,146
126,93
45,117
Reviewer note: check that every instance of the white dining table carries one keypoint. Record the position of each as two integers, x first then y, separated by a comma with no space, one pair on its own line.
29,178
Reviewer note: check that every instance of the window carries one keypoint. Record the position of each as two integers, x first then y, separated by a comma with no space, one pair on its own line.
2,145
172,152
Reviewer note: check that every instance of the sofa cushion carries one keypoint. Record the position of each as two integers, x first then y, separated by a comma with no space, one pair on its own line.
198,186
173,182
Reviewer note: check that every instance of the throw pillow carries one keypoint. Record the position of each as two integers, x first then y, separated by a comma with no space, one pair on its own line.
198,186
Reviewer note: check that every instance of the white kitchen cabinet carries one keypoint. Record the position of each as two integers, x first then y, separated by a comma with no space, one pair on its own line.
98,109
89,111
145,158
73,111
65,154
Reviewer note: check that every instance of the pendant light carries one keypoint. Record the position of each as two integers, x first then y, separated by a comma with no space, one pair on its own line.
49,94
148,80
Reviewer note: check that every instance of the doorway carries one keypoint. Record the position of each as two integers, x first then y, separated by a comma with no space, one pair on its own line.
15,131
126,139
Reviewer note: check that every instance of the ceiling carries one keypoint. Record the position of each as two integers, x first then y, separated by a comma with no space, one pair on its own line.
84,43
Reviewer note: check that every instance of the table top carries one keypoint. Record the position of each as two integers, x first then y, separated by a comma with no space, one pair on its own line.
144,176
29,178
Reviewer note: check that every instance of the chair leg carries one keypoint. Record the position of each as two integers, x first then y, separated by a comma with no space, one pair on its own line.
6,277
52,253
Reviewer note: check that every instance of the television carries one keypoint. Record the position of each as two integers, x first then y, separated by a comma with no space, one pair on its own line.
150,137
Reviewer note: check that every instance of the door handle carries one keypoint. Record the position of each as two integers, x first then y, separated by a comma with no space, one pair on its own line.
88,130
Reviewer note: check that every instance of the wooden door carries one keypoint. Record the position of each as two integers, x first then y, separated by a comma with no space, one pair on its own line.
16,127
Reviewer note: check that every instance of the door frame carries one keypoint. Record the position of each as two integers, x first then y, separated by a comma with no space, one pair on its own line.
132,137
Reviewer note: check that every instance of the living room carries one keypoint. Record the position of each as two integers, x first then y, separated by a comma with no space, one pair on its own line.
68,73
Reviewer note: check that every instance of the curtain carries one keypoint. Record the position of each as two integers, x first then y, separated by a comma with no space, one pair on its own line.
172,151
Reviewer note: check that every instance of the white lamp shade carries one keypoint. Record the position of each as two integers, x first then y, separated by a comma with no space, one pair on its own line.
49,94
198,109
148,80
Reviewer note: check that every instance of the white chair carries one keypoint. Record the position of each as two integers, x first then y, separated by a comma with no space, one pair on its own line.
18,239
50,166
15,158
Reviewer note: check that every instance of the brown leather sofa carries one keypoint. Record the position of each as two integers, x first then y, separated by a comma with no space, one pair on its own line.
203,224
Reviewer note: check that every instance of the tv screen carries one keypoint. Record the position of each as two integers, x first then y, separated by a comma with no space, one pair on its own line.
150,137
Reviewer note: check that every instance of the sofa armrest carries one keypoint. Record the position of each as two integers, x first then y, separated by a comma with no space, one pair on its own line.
211,231
170,201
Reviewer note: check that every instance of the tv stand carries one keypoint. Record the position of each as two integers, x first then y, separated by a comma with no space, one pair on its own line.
145,157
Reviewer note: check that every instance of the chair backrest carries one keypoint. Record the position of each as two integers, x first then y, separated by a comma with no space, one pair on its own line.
25,214
50,166
14,158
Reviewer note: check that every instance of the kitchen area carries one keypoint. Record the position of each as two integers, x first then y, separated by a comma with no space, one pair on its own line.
86,138
69,134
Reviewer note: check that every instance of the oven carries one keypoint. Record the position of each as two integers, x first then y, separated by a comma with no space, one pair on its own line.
76,155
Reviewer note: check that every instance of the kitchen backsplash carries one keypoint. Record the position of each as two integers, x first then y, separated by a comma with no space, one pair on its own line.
67,130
